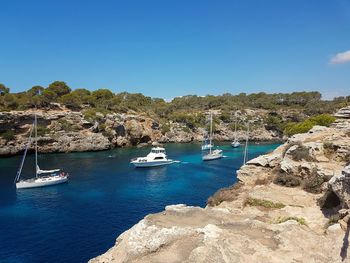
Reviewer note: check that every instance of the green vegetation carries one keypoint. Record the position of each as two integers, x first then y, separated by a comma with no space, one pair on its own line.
67,126
263,203
7,135
332,220
42,130
307,108
302,127
300,220
165,128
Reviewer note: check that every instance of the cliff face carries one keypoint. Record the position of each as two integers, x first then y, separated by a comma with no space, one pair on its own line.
66,131
290,206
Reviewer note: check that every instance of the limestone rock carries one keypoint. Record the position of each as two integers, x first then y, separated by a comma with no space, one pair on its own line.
340,185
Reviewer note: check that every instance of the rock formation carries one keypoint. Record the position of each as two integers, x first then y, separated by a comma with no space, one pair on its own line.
289,206
63,130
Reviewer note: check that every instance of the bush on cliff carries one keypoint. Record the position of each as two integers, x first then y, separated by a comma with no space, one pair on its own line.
302,127
8,135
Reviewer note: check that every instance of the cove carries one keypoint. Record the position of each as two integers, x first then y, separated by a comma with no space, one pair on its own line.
105,196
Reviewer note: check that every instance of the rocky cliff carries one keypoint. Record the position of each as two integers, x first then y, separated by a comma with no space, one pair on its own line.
63,130
291,205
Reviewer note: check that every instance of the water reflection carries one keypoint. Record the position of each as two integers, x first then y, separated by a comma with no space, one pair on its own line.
156,174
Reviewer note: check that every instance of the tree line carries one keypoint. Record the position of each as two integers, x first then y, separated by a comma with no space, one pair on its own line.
309,103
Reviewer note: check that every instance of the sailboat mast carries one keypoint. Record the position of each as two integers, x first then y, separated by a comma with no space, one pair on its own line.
211,131
24,155
246,146
236,130
36,144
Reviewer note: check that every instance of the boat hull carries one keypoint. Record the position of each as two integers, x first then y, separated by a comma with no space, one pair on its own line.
41,182
151,164
235,145
217,154
210,157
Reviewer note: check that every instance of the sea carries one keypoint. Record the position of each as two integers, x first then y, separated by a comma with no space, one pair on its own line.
104,197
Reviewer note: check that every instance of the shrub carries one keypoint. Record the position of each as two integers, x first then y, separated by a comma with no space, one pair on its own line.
323,119
42,130
186,129
67,126
294,128
8,135
333,219
300,220
225,194
301,153
287,180
302,127
313,183
264,203
165,128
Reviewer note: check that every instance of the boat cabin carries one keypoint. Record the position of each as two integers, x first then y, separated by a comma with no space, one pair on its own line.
158,150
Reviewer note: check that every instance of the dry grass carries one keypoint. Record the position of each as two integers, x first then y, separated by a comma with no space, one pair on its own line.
300,220
332,220
225,194
263,203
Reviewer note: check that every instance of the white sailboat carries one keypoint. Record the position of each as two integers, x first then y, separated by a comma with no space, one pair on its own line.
213,154
157,157
50,177
235,143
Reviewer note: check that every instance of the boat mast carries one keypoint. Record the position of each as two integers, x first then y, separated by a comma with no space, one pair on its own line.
235,129
246,146
24,155
211,131
36,144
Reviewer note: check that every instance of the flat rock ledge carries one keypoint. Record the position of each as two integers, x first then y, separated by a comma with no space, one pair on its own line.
257,220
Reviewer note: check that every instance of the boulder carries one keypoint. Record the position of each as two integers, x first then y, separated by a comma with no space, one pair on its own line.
340,185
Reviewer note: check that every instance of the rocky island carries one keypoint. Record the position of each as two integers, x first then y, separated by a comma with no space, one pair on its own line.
291,205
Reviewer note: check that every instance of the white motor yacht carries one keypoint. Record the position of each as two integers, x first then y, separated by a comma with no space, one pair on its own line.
157,157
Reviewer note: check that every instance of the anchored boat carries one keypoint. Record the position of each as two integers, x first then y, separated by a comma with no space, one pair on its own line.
212,154
235,143
157,157
42,177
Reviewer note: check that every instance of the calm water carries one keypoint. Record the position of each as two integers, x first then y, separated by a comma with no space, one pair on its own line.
104,197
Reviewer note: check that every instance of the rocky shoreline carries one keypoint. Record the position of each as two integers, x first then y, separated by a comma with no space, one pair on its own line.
63,130
291,205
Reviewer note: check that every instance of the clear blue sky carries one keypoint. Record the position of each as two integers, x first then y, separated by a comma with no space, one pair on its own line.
168,48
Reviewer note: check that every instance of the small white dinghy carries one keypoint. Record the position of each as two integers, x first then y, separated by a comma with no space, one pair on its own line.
235,144
52,177
157,157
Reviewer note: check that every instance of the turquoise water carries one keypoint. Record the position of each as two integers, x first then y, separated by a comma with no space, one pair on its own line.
104,197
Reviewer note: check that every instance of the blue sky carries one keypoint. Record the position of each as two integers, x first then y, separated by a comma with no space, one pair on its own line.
168,48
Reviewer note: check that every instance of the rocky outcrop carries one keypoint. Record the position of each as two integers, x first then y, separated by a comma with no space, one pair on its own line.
343,113
63,130
340,185
260,219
